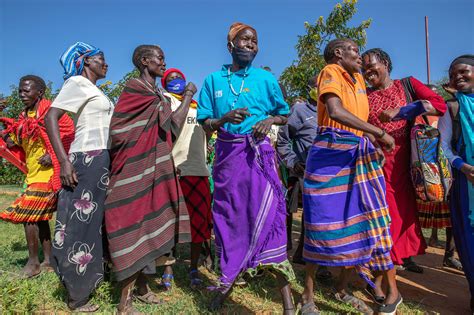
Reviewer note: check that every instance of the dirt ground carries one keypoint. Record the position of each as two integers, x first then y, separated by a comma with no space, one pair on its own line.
438,290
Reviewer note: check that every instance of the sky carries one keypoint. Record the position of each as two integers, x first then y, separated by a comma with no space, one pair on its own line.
192,33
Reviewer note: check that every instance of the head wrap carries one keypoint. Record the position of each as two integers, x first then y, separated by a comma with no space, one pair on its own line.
167,72
236,28
72,59
464,59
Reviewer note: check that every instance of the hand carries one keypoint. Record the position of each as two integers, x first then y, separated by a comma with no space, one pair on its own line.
389,114
468,170
388,142
449,89
236,116
262,128
381,156
68,174
299,168
45,160
190,89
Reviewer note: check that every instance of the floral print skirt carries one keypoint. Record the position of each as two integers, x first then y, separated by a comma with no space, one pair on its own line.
77,244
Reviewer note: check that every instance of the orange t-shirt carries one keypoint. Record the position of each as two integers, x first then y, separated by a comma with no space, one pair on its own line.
334,79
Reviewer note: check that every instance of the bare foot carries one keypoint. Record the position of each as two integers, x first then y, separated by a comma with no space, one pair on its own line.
46,266
30,270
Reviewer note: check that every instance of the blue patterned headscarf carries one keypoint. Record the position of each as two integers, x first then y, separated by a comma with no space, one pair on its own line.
72,59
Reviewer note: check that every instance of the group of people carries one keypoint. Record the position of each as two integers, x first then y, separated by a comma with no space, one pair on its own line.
129,181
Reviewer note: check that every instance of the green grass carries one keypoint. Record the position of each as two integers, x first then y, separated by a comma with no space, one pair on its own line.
45,294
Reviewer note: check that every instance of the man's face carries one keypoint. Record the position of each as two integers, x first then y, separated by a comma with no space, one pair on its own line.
350,57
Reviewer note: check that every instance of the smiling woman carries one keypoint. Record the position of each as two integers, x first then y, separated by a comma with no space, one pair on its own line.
457,131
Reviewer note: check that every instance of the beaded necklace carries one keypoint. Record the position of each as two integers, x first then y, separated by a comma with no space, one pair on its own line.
229,76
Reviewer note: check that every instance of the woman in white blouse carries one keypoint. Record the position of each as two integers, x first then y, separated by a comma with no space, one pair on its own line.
77,245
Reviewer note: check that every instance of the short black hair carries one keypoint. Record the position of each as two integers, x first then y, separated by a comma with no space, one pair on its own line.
332,46
463,59
143,51
39,82
381,56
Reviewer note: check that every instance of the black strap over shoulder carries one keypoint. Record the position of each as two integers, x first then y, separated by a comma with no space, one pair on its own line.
410,95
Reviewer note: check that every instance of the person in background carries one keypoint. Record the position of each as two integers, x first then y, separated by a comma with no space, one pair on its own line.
189,154
146,214
78,245
26,138
242,103
436,216
457,135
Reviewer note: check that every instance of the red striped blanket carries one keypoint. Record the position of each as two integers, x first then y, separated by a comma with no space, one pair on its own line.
145,212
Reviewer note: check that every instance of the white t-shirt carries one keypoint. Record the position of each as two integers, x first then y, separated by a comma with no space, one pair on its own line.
92,113
190,150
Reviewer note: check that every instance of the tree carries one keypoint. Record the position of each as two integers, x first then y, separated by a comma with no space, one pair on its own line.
311,45
113,91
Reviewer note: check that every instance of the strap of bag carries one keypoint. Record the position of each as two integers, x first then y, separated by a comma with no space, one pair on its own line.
410,95
453,107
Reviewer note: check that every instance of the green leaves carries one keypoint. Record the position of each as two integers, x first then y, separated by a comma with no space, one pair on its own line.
310,46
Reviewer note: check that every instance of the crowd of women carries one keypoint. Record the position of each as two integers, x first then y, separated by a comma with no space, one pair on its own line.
130,181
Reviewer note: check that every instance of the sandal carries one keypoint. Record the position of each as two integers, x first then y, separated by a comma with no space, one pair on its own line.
356,303
412,266
148,298
379,299
452,262
87,308
196,282
166,281
309,309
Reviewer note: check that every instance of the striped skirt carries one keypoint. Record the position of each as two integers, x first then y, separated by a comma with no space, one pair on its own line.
434,215
345,212
37,203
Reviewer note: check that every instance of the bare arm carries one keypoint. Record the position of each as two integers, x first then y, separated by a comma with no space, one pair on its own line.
339,114
68,174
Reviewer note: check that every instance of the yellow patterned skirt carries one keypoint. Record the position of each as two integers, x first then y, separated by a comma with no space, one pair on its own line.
37,203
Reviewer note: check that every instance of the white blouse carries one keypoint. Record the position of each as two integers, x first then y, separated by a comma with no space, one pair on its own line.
92,111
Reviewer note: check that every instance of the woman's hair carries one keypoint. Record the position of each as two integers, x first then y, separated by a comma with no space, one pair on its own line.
332,46
39,83
463,59
143,51
381,56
